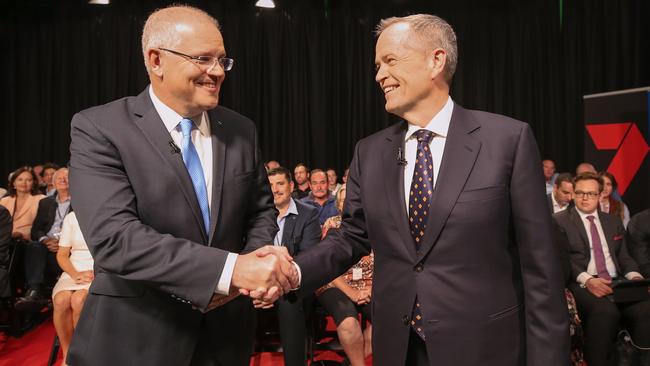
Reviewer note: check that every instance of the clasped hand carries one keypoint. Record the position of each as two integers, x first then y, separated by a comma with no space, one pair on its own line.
265,275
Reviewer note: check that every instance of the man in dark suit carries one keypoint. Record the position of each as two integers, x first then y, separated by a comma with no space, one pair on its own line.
169,188
638,240
561,198
299,230
40,253
598,254
452,203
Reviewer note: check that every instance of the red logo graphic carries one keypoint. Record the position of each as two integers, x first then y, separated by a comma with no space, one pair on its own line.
631,148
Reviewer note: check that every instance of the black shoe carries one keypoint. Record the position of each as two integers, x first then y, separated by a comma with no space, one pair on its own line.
31,303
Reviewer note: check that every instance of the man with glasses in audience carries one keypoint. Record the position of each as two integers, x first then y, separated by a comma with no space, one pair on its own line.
172,197
599,255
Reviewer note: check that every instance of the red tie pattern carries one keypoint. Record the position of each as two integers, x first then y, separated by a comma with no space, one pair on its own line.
419,203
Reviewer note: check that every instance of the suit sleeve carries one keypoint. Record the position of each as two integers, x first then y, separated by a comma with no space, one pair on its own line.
39,228
344,247
547,332
120,243
628,264
638,240
5,235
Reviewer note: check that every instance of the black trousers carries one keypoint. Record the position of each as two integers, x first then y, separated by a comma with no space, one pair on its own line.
39,261
602,321
292,319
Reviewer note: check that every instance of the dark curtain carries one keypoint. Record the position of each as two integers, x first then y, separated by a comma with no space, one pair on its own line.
304,71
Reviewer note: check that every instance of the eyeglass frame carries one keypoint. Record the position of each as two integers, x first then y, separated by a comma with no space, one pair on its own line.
226,63
589,195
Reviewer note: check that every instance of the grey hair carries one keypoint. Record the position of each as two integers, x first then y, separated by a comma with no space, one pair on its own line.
57,171
433,30
159,30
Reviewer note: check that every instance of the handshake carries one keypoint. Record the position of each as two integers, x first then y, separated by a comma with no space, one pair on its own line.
264,275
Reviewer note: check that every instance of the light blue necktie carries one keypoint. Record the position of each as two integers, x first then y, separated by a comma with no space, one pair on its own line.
193,165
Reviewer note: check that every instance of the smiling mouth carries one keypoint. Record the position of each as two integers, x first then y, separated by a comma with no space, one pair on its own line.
208,85
389,89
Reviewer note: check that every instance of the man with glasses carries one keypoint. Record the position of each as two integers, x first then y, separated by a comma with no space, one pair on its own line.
169,189
599,255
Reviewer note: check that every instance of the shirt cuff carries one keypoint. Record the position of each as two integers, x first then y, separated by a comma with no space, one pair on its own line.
583,277
299,275
633,274
223,287
40,240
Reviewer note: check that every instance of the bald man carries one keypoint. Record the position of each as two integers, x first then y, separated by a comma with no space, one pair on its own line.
169,189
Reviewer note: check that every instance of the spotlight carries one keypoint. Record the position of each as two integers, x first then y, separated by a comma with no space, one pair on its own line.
265,4
99,2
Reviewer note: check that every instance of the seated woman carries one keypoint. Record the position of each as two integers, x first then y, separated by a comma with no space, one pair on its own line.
70,291
609,204
22,202
347,296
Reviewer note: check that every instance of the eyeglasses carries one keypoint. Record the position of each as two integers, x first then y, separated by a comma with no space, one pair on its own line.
207,63
589,195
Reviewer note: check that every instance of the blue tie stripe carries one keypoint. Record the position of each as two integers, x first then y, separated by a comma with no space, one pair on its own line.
193,165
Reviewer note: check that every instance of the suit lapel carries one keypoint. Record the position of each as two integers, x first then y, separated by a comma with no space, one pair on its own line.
394,185
154,130
577,222
609,231
461,151
287,233
219,138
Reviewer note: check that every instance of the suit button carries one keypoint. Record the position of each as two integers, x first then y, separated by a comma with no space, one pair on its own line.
419,267
406,320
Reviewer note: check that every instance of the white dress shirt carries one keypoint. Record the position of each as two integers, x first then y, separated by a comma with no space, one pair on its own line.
439,125
591,267
202,140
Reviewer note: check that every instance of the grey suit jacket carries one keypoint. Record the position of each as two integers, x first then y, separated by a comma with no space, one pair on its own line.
487,274
577,241
154,263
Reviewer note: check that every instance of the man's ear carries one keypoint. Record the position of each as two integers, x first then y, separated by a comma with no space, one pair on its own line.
155,62
291,184
437,62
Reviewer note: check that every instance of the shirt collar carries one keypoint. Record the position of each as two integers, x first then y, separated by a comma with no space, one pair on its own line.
583,215
171,119
555,202
439,124
291,210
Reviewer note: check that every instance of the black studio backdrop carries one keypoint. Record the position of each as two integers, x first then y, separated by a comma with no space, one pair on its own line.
304,72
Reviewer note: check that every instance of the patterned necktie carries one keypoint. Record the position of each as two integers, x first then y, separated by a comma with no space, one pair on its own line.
193,165
419,203
599,254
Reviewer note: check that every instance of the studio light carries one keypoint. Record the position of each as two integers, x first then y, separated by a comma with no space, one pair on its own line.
265,4
99,2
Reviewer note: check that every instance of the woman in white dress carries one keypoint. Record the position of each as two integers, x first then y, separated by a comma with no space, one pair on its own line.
71,290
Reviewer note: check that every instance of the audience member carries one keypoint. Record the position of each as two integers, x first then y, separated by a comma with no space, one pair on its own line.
40,253
70,291
608,203
5,240
585,167
301,175
271,164
598,254
347,296
561,197
345,175
38,170
332,182
299,229
320,196
548,166
638,240
22,202
46,183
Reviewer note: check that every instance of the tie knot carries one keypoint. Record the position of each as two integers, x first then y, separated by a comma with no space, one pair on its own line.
590,218
186,126
424,136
